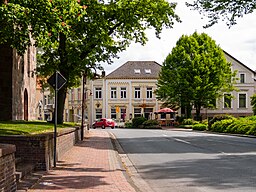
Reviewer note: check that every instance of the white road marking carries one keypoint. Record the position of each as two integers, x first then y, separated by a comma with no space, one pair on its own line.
180,140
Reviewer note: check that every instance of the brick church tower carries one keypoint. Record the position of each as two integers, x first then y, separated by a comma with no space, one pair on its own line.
17,84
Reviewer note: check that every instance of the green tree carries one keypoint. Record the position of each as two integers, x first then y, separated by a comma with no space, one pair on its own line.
253,103
228,10
194,73
76,35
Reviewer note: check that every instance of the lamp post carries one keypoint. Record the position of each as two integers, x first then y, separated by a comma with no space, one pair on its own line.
83,105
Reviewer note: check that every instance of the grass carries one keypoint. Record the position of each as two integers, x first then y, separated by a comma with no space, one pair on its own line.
29,127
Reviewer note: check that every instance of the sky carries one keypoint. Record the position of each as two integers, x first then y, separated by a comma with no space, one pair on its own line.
239,40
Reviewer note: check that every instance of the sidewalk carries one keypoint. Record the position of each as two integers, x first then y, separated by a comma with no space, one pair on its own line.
90,166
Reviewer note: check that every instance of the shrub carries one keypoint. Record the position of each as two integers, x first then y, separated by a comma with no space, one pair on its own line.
187,122
221,126
150,122
179,119
138,121
219,118
128,125
252,130
200,127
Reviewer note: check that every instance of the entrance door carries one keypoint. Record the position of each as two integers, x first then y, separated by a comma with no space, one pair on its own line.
26,105
147,112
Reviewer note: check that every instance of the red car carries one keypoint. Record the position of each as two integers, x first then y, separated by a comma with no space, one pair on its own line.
104,122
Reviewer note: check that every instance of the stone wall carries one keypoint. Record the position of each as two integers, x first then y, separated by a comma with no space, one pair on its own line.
38,149
7,168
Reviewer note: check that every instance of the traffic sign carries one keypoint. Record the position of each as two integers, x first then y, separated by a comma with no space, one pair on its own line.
60,80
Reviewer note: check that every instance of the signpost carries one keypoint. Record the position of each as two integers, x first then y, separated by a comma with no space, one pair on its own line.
57,81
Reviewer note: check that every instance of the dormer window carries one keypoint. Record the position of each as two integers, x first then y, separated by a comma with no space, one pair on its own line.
137,71
148,71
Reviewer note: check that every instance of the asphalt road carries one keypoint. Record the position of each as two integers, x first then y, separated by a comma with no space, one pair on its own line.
184,161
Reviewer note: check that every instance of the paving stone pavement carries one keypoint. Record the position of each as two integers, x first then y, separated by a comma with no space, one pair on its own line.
90,166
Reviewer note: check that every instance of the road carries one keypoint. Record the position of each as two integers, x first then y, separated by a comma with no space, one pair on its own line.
186,161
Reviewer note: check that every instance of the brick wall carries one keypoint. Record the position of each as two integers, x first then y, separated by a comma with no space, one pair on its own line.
7,168
38,149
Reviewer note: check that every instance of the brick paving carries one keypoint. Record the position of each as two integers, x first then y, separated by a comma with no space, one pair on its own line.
90,166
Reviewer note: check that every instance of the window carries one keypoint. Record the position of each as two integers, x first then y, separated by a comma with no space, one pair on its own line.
137,71
123,92
242,100
137,93
45,100
50,100
98,113
72,95
113,93
113,113
28,60
149,92
163,115
98,93
137,112
148,71
242,78
227,100
79,94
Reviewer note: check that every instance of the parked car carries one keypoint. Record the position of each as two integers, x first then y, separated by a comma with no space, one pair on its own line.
104,122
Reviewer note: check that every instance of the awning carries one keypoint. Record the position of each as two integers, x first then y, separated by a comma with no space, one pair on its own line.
165,110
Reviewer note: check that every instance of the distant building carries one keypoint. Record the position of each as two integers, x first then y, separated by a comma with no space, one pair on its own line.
128,92
239,105
17,84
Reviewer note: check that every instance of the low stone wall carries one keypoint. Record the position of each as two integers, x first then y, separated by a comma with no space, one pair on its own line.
38,149
7,168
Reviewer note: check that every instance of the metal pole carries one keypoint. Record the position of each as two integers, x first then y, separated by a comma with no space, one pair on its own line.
55,121
83,103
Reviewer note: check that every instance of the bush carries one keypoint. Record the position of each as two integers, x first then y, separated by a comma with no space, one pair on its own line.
252,130
138,121
241,126
221,126
189,122
150,122
219,118
200,127
179,119
128,125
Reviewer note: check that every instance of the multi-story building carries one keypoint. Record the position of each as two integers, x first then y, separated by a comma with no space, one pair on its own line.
125,93
236,103
17,84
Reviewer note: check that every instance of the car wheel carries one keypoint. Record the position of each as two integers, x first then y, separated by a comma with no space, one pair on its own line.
103,127
93,127
112,127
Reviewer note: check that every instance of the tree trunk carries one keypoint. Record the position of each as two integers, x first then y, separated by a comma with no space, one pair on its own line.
188,111
63,91
60,105
198,112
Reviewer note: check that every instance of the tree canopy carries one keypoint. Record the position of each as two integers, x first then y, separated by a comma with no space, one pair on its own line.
228,10
195,73
76,35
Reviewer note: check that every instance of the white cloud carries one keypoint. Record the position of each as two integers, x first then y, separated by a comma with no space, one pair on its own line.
239,40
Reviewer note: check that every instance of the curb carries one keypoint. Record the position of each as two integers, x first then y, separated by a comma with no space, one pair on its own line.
132,172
